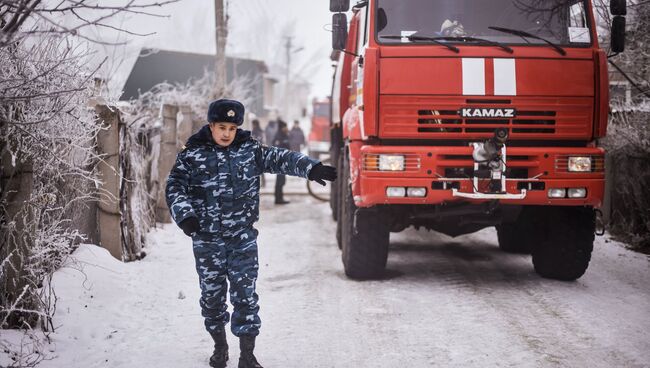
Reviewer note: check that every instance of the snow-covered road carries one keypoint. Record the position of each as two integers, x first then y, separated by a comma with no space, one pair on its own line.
444,302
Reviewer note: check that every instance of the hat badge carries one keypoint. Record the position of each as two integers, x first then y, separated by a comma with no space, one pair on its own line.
231,113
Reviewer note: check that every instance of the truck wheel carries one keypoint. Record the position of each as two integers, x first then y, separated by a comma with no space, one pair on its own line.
339,228
335,188
565,250
342,182
364,237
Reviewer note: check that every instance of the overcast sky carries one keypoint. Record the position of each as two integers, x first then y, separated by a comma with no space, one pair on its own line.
257,30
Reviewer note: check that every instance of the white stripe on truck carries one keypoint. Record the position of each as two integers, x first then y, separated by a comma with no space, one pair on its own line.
505,77
473,76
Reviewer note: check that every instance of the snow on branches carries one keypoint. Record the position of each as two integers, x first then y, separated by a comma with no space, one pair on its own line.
47,147
634,62
628,137
47,134
196,94
22,19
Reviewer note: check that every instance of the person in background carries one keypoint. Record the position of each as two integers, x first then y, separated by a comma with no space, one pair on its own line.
257,131
270,131
281,140
258,134
296,137
213,195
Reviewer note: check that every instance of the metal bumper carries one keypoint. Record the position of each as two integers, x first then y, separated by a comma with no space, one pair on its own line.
457,193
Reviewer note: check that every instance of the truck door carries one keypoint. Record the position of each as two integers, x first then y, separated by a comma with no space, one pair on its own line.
356,90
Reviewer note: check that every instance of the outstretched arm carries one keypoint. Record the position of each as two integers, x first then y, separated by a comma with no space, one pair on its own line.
276,160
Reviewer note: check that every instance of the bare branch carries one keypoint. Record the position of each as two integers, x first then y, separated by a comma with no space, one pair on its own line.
98,15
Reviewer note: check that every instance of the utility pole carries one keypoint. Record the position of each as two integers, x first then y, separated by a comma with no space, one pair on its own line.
221,25
287,46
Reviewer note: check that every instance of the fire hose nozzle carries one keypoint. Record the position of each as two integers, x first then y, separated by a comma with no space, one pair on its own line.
489,151
501,136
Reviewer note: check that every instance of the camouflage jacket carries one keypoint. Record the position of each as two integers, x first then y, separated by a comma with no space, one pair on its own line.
220,186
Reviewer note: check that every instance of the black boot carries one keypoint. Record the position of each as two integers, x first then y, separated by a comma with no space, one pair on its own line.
220,355
246,358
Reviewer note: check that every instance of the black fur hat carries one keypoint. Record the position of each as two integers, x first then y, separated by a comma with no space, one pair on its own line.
226,111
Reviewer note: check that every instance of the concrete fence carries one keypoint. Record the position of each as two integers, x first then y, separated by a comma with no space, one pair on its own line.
168,150
109,212
44,217
134,169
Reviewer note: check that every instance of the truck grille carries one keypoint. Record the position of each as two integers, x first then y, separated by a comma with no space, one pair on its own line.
449,121
431,117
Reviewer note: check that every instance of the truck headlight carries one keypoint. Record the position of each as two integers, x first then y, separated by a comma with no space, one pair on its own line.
391,162
416,192
557,193
579,164
577,192
395,192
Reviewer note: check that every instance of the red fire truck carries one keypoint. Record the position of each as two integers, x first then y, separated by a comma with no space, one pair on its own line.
457,115
318,141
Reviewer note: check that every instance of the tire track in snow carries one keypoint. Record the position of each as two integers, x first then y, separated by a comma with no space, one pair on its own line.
539,319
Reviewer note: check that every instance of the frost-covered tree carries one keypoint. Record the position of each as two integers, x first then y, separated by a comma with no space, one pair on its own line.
634,62
628,136
47,138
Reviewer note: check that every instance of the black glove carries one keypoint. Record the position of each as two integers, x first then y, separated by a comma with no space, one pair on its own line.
190,225
321,172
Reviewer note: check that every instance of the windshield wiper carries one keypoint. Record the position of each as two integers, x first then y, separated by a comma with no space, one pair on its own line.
525,34
480,40
435,40
416,37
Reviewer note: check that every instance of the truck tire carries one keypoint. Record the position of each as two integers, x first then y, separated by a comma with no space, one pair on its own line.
342,182
364,238
565,249
339,227
335,188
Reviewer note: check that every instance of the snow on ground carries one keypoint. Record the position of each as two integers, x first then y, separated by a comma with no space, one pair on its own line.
444,302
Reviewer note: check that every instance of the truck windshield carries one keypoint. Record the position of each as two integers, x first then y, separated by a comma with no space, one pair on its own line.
560,22
322,110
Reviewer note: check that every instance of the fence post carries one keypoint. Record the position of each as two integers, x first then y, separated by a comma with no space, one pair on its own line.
167,158
184,126
108,145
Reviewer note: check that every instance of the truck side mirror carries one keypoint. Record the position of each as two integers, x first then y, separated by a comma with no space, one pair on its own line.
617,7
618,34
339,31
339,6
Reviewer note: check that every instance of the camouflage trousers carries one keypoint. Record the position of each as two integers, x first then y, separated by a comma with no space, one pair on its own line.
228,257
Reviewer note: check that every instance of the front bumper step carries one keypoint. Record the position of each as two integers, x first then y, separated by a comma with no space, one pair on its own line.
456,193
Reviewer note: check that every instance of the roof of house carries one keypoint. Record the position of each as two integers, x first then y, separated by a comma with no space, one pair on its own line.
156,66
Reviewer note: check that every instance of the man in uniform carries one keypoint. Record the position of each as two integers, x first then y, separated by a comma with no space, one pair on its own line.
213,195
